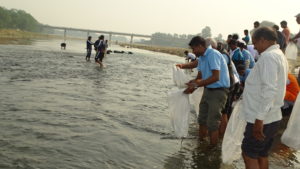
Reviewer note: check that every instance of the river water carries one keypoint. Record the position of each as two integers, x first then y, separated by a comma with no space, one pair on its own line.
59,111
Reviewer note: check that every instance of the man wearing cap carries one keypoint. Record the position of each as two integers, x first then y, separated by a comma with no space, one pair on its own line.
298,34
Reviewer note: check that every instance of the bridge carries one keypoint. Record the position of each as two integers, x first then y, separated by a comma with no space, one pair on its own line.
132,35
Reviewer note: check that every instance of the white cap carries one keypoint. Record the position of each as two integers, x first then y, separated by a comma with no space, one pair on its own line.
298,15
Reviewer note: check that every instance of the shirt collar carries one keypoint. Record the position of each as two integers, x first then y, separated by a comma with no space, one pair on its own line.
276,46
208,49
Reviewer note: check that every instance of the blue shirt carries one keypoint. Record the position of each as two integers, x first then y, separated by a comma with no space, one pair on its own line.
213,60
244,77
236,74
238,57
248,56
246,39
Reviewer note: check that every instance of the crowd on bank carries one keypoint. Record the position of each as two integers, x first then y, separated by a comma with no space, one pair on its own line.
257,74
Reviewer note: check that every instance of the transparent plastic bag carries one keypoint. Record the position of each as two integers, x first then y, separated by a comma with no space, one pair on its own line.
234,134
291,135
291,51
195,99
179,107
179,77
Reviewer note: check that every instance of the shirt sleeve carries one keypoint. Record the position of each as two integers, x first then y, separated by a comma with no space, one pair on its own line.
268,77
214,61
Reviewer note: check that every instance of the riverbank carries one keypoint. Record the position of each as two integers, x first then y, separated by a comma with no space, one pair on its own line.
162,49
16,36
15,33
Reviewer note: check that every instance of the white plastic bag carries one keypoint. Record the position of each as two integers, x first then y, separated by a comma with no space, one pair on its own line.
179,77
195,99
234,134
291,136
179,107
291,51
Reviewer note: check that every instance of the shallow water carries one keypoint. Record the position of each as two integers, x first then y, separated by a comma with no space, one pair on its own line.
59,111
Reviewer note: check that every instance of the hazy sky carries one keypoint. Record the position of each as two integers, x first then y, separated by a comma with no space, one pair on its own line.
168,16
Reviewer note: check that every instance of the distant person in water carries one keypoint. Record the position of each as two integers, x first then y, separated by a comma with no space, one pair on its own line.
89,44
100,50
63,46
189,56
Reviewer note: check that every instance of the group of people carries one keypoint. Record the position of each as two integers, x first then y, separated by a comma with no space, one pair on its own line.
100,46
259,76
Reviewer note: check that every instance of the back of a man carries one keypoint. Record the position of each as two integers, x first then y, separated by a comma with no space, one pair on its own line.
262,98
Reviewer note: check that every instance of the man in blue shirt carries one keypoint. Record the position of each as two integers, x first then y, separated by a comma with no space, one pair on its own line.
249,59
236,55
246,38
213,75
89,44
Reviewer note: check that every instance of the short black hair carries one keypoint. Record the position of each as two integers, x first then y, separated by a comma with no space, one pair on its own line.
197,40
256,23
241,44
240,67
266,33
276,27
235,36
246,31
283,23
232,42
186,52
101,37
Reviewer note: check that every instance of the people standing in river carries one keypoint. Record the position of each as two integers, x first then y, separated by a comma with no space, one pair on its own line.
262,98
89,44
100,50
214,77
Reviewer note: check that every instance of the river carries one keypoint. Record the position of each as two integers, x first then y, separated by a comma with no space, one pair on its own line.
59,111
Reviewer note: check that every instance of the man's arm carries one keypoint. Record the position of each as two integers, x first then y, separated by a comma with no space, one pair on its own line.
189,65
192,84
295,37
212,79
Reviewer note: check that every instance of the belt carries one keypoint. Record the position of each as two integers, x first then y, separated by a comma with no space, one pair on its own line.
219,88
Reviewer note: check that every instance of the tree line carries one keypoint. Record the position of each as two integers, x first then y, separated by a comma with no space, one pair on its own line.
18,19
178,40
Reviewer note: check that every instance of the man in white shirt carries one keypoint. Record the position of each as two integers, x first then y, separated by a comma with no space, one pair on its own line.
189,56
262,98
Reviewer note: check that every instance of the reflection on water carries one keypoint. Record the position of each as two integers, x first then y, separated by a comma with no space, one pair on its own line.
59,111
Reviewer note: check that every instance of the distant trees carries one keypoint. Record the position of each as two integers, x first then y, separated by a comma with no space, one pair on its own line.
178,40
206,32
18,19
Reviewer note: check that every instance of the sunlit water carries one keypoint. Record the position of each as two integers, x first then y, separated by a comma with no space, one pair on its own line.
59,111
